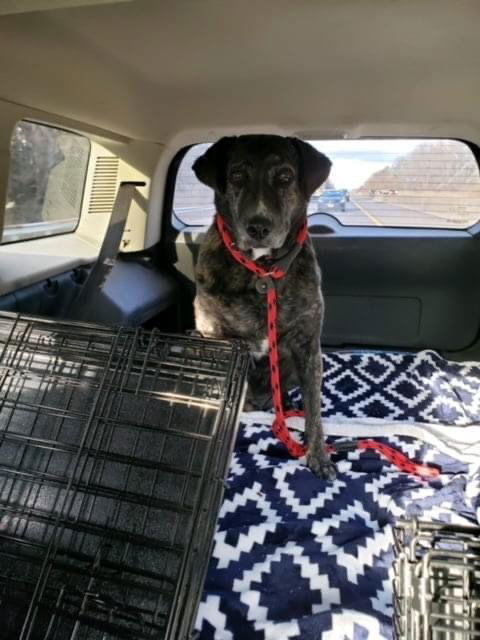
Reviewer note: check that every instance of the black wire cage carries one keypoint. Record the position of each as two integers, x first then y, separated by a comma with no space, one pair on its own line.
437,581
114,447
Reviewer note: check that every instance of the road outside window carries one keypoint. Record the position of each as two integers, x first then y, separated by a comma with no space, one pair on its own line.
390,183
48,167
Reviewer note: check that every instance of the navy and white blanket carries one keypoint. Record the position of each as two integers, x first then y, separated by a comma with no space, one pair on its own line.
298,558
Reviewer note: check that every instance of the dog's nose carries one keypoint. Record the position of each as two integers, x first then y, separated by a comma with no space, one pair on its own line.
259,228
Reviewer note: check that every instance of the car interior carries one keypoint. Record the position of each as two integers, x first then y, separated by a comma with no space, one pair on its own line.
104,107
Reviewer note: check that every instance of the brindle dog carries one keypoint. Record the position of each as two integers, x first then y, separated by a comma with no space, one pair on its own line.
262,186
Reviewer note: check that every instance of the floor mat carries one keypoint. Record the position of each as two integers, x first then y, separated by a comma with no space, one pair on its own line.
297,558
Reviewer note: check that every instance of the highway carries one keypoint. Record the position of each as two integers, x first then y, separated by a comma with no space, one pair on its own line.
359,211
365,211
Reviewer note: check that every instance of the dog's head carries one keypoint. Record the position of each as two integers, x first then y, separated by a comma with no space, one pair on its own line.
262,185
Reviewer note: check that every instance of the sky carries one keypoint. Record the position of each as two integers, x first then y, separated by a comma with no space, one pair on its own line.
354,161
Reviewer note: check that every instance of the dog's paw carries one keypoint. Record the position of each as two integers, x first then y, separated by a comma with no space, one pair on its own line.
322,467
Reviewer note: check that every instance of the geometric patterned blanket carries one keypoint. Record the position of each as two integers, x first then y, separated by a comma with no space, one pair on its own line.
423,387
298,558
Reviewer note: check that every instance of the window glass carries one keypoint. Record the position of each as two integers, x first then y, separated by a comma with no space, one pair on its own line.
392,183
193,201
48,167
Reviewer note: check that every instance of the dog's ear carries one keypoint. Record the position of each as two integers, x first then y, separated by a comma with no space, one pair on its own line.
211,167
314,166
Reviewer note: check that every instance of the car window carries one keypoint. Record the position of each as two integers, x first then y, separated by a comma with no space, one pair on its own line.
373,182
192,201
48,167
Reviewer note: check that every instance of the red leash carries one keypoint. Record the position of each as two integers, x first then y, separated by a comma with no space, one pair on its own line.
266,284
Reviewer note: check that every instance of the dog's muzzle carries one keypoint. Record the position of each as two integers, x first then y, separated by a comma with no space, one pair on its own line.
258,228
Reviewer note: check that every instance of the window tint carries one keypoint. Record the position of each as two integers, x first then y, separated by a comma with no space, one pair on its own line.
393,183
48,167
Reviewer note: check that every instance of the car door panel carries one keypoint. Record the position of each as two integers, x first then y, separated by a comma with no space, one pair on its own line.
387,287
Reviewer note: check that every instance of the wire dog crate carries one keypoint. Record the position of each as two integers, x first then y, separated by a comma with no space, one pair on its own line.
437,582
114,446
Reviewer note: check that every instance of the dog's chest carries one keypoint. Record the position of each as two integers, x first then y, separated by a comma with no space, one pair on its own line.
240,318
228,303
245,314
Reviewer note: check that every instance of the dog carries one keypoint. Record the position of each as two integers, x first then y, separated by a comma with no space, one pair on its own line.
262,186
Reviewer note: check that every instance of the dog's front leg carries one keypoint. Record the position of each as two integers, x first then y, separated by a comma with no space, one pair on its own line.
308,360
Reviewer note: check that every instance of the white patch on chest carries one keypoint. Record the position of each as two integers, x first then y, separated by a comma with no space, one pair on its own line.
258,253
203,321
263,349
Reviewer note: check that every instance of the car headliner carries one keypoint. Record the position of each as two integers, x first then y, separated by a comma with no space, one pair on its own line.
151,70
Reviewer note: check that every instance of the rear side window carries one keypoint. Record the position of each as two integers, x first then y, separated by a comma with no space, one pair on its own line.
48,167
391,183
192,201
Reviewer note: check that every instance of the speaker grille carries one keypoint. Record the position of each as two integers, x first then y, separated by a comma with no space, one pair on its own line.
105,183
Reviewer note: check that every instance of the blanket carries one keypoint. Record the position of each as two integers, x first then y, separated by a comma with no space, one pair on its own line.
297,558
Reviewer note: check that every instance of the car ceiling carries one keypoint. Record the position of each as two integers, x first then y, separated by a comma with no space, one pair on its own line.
150,69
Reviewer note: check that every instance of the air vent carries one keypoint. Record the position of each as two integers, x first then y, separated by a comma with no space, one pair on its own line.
105,182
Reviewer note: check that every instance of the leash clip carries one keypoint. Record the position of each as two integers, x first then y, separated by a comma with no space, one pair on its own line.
264,284
345,445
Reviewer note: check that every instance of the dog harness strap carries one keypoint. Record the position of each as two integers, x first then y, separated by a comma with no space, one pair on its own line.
280,429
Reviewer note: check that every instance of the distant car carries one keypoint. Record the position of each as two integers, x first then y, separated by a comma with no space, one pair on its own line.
335,199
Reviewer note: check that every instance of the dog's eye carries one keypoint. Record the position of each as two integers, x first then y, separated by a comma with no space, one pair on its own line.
285,177
237,178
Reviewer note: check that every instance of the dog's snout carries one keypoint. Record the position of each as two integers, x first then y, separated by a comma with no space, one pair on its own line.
258,228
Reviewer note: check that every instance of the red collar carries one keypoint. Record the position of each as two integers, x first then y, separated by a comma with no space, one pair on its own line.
278,269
